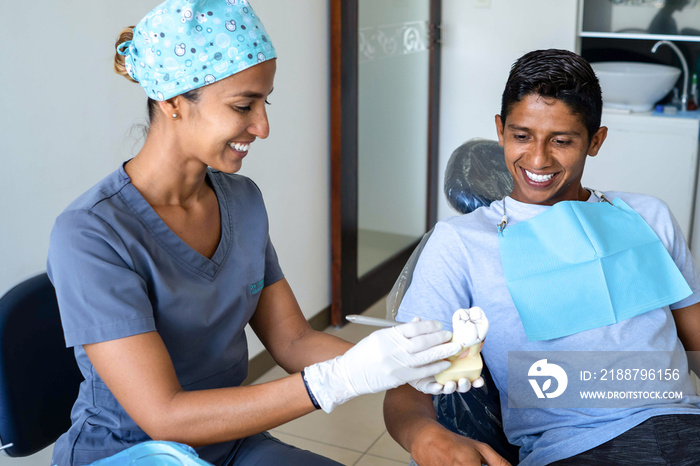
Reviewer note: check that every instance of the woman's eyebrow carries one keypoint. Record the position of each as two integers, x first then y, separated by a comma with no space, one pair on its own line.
251,94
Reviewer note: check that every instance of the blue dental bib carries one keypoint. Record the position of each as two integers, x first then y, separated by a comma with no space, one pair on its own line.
581,265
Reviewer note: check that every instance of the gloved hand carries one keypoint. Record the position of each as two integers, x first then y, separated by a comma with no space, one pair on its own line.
385,359
432,387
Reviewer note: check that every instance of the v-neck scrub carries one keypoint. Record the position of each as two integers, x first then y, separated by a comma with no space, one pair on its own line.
120,271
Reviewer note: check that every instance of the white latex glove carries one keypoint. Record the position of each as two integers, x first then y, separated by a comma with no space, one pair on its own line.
430,386
385,359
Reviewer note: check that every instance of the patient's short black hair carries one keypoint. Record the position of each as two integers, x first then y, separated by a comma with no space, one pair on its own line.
559,74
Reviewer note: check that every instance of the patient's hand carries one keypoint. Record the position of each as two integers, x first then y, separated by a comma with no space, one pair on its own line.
438,446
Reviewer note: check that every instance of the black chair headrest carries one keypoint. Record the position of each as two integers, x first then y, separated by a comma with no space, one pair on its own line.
476,175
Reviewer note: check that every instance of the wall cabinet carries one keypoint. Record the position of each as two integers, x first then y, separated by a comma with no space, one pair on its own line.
626,30
640,19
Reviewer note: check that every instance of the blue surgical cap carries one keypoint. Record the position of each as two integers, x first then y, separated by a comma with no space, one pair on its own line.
186,44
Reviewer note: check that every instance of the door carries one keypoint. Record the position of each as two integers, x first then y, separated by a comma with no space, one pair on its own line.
385,78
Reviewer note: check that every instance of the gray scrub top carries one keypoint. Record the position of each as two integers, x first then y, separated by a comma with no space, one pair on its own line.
119,271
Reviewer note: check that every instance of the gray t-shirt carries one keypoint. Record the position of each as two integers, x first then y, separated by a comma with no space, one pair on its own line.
460,267
119,271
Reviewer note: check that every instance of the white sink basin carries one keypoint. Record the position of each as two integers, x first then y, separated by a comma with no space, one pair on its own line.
634,86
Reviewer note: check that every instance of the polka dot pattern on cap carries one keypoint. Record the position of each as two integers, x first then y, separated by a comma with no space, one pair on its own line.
186,44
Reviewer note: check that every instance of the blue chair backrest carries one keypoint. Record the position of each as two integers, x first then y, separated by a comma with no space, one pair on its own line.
39,378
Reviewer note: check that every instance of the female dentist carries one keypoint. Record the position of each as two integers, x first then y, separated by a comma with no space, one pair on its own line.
159,267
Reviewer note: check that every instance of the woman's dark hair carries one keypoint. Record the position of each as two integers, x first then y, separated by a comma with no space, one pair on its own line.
558,74
125,35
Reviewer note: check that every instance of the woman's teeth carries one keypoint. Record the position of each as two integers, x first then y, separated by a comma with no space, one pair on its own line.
539,178
239,146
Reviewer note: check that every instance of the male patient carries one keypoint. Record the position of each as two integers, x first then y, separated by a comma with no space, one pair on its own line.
532,262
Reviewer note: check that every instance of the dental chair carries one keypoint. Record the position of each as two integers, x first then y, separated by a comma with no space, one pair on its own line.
476,175
39,377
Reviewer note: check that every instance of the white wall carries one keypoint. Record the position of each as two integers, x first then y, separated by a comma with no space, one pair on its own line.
479,46
64,118
66,121
292,166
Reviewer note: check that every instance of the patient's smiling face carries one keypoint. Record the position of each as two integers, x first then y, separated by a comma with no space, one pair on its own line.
545,147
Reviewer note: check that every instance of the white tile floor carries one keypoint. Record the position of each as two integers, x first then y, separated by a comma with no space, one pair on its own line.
354,433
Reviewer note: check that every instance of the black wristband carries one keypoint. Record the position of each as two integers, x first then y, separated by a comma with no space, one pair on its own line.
308,390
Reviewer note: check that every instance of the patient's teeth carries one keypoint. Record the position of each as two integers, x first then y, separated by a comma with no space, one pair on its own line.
539,178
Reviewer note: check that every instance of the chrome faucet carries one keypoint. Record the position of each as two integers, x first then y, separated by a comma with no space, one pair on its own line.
684,96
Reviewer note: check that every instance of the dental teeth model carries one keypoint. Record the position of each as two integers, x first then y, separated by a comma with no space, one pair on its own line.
469,328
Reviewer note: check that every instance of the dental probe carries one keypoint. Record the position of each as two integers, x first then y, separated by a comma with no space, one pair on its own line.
364,320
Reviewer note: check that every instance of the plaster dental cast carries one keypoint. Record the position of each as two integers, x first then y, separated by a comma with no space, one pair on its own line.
160,266
559,268
469,328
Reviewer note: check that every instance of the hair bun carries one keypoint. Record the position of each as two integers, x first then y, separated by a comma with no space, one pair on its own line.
126,35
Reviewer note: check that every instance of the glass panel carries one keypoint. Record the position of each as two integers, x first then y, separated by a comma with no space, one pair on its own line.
393,89
675,17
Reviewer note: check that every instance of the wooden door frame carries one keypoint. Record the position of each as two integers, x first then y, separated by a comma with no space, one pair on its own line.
349,294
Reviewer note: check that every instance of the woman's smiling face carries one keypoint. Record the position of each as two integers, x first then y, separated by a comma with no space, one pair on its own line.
545,146
227,117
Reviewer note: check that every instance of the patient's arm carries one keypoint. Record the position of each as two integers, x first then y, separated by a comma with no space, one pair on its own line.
410,419
688,327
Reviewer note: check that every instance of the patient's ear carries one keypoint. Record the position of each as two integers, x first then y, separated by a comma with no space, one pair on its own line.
597,141
499,130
